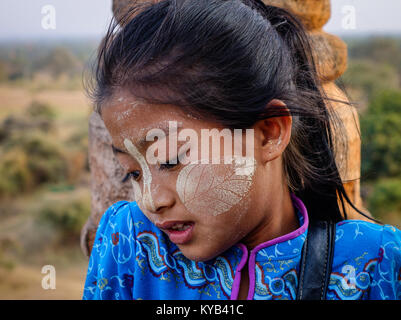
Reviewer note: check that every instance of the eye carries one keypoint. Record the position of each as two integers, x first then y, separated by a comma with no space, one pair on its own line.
169,165
133,174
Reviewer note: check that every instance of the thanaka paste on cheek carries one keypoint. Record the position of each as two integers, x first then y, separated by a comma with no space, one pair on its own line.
146,196
215,188
137,192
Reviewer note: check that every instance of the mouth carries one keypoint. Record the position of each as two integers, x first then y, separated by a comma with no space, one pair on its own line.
179,232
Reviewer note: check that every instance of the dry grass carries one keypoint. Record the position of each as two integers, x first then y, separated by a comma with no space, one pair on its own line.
25,283
69,105
13,101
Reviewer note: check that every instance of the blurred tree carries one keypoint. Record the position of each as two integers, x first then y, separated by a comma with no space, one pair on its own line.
20,66
381,136
39,117
60,61
66,218
370,77
29,156
3,71
386,198
46,159
41,110
378,49
15,174
30,160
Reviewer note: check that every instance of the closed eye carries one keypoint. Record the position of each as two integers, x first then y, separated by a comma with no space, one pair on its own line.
169,165
133,174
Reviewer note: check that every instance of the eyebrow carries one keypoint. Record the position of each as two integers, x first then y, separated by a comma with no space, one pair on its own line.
142,143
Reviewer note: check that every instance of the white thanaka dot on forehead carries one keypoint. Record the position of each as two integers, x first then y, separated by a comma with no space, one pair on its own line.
190,116
127,113
147,176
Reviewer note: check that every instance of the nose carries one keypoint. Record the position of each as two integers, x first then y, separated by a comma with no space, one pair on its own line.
158,198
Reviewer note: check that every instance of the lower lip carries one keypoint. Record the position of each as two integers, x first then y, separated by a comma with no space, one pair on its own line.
180,237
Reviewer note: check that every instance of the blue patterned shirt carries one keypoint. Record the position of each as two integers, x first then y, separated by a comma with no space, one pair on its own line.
133,259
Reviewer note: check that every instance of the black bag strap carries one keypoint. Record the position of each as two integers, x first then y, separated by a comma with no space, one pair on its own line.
316,261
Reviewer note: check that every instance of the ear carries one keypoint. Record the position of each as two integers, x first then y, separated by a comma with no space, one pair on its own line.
273,135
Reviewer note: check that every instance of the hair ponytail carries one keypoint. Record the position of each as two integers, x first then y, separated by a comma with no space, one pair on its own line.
325,188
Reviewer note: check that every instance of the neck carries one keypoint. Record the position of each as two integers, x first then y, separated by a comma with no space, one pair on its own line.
280,220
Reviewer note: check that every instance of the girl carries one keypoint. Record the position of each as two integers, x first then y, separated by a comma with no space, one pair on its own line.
234,222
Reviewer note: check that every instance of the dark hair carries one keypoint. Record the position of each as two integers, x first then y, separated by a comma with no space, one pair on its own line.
224,60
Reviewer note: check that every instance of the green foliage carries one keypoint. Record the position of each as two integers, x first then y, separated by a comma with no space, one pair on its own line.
66,218
40,110
3,72
380,50
386,198
29,161
370,77
29,156
38,118
6,261
19,61
46,159
373,77
381,136
60,60
15,174
387,102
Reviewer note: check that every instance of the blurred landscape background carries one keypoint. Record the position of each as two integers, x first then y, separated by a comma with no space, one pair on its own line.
44,174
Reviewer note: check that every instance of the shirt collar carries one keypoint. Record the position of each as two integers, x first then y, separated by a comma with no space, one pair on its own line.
287,245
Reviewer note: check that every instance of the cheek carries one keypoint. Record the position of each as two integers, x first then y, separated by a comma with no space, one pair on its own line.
137,192
230,227
216,234
215,189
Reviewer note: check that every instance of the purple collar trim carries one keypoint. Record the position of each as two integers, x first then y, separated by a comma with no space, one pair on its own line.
237,279
251,266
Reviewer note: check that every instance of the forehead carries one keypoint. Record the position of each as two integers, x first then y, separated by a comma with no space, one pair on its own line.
126,117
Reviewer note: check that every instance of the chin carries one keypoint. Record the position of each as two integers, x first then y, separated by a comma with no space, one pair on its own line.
199,255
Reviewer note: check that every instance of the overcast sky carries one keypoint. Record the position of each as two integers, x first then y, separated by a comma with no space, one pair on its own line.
74,18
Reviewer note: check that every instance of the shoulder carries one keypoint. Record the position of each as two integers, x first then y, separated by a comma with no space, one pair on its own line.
111,265
367,261
357,236
123,226
358,232
115,235
115,213
368,235
122,215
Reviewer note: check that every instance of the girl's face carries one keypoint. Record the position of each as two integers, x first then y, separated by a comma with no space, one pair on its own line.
207,201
